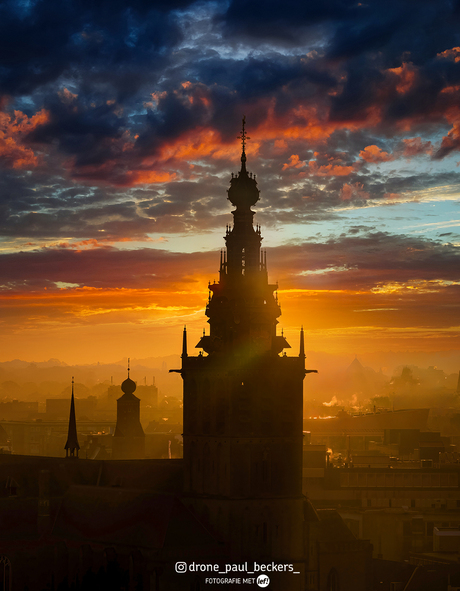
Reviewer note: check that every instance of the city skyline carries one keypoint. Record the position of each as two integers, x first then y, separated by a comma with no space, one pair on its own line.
119,138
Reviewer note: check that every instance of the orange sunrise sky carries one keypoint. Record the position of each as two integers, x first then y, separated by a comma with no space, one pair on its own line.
118,138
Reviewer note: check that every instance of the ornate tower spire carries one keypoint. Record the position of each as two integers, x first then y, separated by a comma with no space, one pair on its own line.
72,440
243,256
243,137
243,310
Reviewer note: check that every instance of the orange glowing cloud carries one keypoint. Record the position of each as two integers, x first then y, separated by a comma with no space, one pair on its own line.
308,123
453,54
66,96
128,165
93,243
373,154
16,156
116,173
355,191
329,169
139,177
407,76
294,162
451,141
74,304
13,129
415,147
201,143
304,122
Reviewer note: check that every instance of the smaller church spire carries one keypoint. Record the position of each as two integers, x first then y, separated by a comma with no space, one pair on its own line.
302,344
184,343
72,440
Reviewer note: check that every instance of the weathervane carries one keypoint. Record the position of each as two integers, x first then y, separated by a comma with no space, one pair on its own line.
243,137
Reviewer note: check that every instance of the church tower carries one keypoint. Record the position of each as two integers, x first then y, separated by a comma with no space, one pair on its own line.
128,441
243,404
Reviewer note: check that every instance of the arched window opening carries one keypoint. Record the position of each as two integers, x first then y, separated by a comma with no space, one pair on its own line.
333,580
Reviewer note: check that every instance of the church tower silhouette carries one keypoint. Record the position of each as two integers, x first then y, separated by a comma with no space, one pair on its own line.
128,442
243,403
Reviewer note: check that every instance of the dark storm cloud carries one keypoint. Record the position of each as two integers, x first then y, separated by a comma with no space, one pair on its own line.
368,258
361,43
262,76
173,117
394,27
23,192
85,131
283,21
53,210
94,68
391,28
180,198
39,40
101,268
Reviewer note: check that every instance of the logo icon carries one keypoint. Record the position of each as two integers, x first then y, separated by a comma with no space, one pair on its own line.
181,567
263,581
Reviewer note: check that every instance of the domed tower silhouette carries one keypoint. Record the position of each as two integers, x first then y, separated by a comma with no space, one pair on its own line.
243,404
128,441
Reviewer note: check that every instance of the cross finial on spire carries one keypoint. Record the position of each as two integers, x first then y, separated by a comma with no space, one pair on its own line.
243,137
128,366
